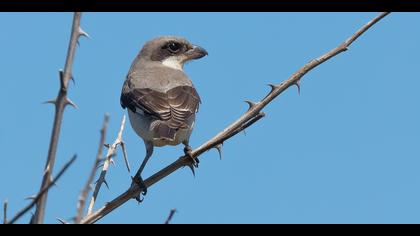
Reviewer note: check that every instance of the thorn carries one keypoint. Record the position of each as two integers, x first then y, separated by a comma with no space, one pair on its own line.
273,87
106,184
127,164
62,221
298,86
71,103
106,145
251,104
52,101
30,198
191,166
83,33
72,79
219,150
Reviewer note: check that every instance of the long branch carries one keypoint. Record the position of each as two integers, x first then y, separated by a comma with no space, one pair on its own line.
42,192
112,149
249,116
84,193
60,104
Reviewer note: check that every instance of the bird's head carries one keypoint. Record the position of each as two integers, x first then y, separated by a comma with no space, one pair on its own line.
171,51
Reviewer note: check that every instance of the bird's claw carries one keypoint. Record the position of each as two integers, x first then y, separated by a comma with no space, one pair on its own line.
138,181
194,160
193,163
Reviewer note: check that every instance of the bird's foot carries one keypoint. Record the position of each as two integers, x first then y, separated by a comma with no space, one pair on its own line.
188,153
137,181
193,161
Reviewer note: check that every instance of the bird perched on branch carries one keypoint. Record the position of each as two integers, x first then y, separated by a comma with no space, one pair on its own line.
160,99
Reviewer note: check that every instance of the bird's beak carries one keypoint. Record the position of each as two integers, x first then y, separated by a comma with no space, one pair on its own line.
196,52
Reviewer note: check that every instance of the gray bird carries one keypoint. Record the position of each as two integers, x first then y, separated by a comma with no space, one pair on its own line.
161,100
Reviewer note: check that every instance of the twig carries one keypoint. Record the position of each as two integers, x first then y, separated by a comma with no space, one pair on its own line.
60,104
171,215
247,119
42,192
84,193
112,149
5,212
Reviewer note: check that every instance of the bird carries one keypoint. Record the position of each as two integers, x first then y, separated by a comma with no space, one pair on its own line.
161,100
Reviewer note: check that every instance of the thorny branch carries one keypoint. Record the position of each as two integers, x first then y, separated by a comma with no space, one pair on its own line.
84,193
247,119
60,103
112,149
36,198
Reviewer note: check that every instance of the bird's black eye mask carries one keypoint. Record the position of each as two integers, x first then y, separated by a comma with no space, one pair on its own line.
173,47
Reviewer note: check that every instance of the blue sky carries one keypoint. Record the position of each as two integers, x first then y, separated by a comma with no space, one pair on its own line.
344,151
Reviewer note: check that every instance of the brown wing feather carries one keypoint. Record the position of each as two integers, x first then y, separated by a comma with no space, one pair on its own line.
174,107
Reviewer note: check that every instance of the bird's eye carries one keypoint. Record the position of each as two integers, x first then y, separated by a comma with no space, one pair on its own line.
174,47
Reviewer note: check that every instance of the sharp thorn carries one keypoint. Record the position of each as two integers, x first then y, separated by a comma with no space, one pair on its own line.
251,104
112,161
191,166
219,150
273,87
52,101
106,145
30,198
127,164
71,103
72,79
106,184
83,33
298,86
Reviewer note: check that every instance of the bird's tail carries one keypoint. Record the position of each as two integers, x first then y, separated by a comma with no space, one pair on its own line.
167,129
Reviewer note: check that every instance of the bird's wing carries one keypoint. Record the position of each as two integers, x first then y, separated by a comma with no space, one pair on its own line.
174,107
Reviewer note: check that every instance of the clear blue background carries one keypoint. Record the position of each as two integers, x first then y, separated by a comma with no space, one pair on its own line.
345,151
